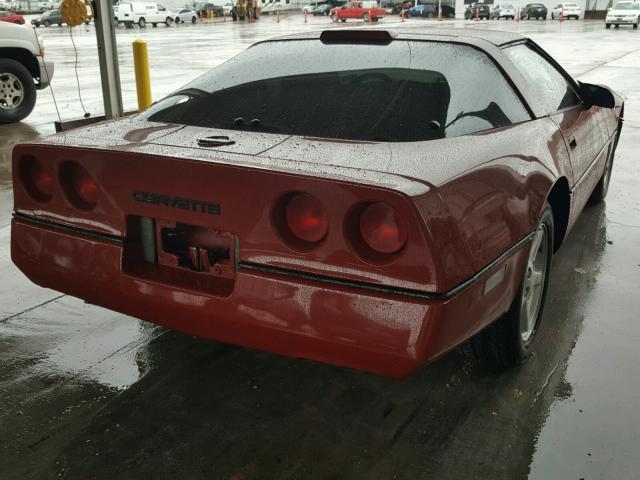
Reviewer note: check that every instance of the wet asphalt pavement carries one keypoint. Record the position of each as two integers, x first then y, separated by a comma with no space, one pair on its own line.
87,393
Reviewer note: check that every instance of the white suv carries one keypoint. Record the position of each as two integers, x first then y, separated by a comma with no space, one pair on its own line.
23,70
567,10
623,13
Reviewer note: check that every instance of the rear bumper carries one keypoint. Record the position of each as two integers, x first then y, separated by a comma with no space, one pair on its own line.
380,332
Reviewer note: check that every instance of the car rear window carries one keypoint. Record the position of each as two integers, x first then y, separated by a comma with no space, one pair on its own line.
403,91
627,6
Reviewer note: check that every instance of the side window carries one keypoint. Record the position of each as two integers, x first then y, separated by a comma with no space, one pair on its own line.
549,86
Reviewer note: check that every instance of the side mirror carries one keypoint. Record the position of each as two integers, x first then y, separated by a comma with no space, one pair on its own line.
597,95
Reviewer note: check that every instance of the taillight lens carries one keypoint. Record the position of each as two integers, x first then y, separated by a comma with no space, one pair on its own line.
306,218
80,187
382,229
85,186
37,179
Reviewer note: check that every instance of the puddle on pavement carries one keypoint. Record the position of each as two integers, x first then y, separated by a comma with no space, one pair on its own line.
72,339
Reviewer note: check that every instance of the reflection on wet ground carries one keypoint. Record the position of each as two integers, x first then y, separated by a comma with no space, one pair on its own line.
89,393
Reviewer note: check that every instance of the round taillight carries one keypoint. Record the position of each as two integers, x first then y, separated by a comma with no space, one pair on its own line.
38,181
306,218
80,187
382,229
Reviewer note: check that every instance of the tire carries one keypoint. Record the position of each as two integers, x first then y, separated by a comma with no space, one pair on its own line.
46,23
635,26
552,17
142,23
194,19
343,20
607,26
168,21
528,17
505,344
177,20
15,81
365,18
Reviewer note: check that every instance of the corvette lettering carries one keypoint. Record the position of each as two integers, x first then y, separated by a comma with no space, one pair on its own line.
177,202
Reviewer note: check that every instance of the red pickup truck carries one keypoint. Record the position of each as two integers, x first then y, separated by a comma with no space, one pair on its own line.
367,11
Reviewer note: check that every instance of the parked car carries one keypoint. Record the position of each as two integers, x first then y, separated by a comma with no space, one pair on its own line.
357,10
447,11
9,6
623,13
505,10
242,218
185,15
477,10
568,11
141,13
48,18
428,11
322,9
534,10
203,9
309,8
23,71
11,17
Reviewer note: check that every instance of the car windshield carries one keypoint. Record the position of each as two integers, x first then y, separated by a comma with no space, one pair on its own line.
536,5
627,6
403,91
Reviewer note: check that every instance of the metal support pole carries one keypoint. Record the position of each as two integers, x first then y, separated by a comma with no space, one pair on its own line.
108,58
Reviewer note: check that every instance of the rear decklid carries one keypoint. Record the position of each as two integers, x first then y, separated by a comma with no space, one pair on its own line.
147,171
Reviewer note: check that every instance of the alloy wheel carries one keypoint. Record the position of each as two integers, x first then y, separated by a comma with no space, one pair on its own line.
11,91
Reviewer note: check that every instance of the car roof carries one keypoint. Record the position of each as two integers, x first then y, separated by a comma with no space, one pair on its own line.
458,35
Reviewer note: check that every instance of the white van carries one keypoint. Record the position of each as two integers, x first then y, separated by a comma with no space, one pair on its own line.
142,13
280,6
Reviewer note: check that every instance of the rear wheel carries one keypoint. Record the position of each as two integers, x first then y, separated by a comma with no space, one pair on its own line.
194,19
365,17
635,25
168,21
509,341
607,26
17,91
46,23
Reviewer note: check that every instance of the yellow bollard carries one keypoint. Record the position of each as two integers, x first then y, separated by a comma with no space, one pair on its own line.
141,67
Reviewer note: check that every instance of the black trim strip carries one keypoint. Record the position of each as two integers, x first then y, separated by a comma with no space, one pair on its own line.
384,288
408,292
67,228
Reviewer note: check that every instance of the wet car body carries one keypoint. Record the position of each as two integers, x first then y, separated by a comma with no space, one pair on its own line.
470,204
48,18
426,11
11,17
534,10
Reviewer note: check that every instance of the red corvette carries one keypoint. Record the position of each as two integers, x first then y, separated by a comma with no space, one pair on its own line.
376,226
11,17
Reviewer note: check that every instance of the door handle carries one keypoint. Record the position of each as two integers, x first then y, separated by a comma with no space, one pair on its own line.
572,142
